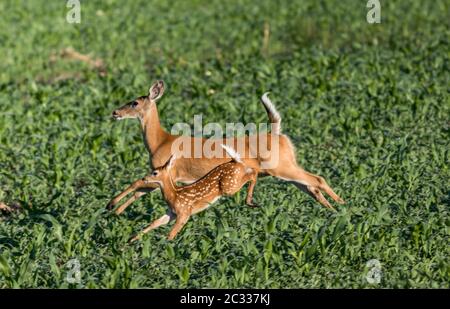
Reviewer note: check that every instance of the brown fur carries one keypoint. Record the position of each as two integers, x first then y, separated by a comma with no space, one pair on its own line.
159,145
225,179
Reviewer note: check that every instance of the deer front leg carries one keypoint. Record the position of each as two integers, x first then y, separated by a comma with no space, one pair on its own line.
181,221
136,195
169,216
138,184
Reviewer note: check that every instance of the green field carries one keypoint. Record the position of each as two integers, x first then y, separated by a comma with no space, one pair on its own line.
367,106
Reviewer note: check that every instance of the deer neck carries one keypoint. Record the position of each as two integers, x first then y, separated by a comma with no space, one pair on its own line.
154,135
169,190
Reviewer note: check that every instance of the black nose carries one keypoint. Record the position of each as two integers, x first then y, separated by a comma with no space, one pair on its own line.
115,114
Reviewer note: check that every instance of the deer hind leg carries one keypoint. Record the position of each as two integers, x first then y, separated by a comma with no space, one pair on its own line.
232,186
252,177
307,182
169,216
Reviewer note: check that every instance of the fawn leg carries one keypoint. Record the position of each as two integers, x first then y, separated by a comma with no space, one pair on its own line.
138,184
131,188
253,178
169,216
136,195
181,221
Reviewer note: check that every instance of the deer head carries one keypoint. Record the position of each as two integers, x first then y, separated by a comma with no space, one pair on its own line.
161,175
139,106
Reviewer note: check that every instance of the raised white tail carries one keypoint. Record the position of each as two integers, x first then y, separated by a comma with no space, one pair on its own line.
273,114
160,145
232,153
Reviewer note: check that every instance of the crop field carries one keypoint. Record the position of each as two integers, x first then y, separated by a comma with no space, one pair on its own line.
366,105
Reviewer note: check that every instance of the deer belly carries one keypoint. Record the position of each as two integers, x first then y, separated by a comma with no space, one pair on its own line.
204,205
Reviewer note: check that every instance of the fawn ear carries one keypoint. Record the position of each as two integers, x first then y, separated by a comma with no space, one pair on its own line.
156,90
170,162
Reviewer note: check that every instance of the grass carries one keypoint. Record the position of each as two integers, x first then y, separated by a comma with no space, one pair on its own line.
367,107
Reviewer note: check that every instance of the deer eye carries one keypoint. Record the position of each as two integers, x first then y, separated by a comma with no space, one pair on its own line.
134,104
155,173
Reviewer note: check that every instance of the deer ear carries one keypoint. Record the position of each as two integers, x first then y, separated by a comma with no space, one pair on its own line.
156,90
170,162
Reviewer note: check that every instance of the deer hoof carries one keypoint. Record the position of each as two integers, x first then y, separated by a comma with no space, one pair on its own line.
253,205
